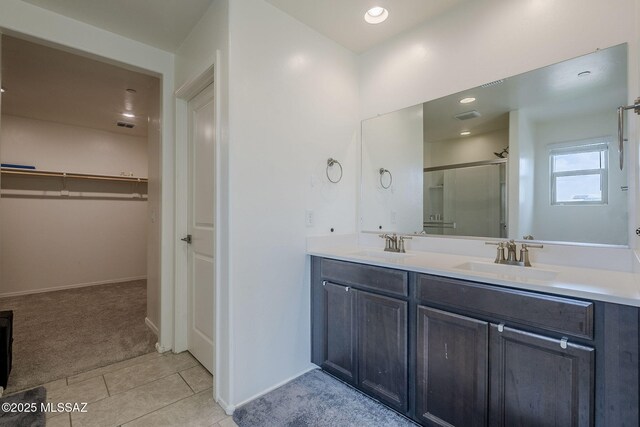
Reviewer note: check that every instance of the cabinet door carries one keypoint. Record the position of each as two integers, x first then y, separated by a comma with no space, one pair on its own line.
339,341
382,348
535,382
451,369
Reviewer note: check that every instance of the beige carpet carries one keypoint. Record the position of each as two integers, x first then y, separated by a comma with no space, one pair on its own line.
63,333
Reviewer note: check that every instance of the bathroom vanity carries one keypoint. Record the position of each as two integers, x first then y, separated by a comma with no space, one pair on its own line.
447,337
447,351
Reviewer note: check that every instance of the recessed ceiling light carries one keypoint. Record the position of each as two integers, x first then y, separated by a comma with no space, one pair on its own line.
376,15
467,100
131,90
2,90
130,115
465,133
584,73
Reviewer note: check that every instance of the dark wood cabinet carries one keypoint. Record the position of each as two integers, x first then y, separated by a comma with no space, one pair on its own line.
359,335
339,342
539,381
451,369
450,352
382,348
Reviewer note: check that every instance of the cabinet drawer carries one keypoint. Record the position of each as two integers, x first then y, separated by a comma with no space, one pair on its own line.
558,314
366,276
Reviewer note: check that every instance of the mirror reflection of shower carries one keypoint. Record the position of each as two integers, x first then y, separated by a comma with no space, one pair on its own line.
503,154
466,199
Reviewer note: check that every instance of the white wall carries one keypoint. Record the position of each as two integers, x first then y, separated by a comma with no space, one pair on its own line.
23,19
54,242
522,197
198,51
393,141
65,148
484,40
293,104
605,223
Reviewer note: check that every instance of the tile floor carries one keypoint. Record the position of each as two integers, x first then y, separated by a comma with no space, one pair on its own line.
150,390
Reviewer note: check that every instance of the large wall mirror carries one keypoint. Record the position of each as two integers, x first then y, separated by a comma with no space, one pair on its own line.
533,156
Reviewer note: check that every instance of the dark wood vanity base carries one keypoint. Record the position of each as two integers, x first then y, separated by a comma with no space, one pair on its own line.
449,352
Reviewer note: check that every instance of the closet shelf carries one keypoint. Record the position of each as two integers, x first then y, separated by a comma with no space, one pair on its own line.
34,172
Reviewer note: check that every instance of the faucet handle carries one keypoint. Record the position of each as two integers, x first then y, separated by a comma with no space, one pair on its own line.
387,241
527,245
524,253
500,252
401,240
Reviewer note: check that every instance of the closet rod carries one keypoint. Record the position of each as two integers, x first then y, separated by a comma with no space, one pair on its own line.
6,171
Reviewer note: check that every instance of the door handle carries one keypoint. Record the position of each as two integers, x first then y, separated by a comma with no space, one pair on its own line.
187,239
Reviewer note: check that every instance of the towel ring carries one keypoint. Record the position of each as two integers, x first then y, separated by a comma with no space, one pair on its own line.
382,172
330,163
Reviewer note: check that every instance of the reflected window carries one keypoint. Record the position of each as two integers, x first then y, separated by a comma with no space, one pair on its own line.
579,174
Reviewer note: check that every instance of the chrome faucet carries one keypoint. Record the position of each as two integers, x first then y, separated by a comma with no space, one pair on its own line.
394,243
512,256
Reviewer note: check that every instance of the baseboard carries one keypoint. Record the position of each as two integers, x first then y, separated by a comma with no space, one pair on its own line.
160,349
63,287
232,408
228,409
151,326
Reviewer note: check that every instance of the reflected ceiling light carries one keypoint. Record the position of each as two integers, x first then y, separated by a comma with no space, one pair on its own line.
584,73
130,115
2,90
465,133
376,15
467,100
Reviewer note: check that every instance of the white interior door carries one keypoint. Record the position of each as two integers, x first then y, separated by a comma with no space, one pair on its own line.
201,228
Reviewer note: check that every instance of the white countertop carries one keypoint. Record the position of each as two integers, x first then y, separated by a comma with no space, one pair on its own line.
594,284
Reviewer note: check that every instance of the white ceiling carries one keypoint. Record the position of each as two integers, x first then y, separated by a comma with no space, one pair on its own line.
550,93
54,85
166,23
343,21
160,23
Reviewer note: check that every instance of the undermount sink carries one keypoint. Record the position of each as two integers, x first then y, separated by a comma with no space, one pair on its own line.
510,271
380,254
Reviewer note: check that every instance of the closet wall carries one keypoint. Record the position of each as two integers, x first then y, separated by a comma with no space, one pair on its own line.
56,241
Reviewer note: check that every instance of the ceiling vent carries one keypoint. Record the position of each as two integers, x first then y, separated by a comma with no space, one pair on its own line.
125,125
497,82
468,115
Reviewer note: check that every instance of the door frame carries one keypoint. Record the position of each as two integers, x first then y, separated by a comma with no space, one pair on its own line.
180,327
94,43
